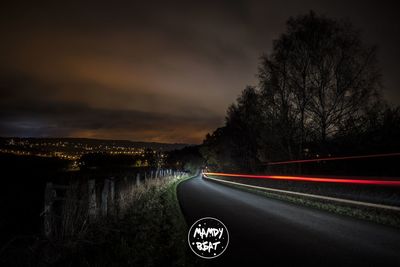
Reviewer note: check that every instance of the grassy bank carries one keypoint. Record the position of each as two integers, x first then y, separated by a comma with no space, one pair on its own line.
150,232
381,216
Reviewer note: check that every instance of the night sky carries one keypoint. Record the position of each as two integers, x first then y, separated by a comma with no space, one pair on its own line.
160,71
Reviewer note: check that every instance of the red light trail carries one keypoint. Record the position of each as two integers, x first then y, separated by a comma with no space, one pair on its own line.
333,158
310,179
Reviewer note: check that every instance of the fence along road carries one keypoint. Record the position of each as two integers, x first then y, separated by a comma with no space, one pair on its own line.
93,199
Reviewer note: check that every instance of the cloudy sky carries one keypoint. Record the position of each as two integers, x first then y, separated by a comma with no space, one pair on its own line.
161,71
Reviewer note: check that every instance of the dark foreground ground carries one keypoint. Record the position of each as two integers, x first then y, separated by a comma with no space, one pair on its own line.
270,232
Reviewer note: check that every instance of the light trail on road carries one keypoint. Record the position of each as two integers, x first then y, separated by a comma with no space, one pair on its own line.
333,158
320,197
309,179
275,231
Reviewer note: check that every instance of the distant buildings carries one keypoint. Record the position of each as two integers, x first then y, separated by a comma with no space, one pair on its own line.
71,149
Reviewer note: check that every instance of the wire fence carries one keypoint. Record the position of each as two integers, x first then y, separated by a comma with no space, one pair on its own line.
70,208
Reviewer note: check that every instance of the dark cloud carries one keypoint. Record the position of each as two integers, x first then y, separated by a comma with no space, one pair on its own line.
29,109
65,119
152,70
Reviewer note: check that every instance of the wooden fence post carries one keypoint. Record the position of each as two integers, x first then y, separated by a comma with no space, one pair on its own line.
138,179
49,196
104,197
92,199
112,195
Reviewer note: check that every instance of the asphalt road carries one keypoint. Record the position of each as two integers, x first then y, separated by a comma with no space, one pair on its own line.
271,232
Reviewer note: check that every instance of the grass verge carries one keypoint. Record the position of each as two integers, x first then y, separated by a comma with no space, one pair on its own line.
150,232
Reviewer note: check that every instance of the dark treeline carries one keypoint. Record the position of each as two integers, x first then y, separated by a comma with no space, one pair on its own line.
318,94
150,158
187,159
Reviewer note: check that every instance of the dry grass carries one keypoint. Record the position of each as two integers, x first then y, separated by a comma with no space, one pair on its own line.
145,229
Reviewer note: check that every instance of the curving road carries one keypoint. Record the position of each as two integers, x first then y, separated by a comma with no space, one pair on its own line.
271,232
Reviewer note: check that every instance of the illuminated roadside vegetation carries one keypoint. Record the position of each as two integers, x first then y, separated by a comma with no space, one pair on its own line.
150,231
144,225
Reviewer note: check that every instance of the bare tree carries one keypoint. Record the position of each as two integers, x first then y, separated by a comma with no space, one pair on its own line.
315,87
323,73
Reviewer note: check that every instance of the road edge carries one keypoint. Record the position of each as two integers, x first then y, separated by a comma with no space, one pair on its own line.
174,196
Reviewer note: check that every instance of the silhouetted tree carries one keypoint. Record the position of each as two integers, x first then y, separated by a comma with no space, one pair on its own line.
187,158
318,75
319,89
216,150
378,131
244,126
